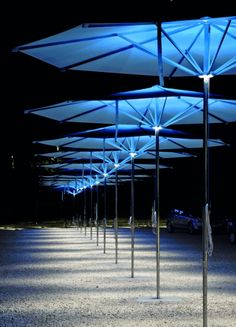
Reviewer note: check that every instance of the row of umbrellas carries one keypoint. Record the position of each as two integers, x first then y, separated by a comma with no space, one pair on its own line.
140,119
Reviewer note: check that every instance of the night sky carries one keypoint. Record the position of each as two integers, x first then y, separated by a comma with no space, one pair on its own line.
28,83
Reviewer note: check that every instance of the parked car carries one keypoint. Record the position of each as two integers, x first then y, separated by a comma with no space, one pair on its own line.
181,220
231,230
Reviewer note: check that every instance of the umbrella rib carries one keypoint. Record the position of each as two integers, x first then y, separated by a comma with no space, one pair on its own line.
162,111
50,107
223,30
191,111
220,45
56,43
185,113
176,143
143,116
145,119
106,54
101,56
74,141
102,25
227,66
115,156
179,27
139,45
189,60
83,113
176,65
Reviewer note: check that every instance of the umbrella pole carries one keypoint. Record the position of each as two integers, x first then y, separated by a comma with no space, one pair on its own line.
97,215
132,217
74,211
85,221
157,213
84,202
116,219
116,190
62,204
105,215
91,201
91,213
157,191
206,199
81,211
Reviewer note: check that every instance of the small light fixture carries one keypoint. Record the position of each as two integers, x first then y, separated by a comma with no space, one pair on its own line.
157,128
105,174
97,182
116,165
206,77
133,154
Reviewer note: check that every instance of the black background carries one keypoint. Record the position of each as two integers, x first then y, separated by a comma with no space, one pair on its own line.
27,83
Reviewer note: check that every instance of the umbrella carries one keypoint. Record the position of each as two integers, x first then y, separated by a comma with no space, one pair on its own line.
193,47
142,107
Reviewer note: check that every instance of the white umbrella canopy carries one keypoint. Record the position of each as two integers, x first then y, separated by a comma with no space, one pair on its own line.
136,143
99,168
76,183
146,107
110,155
191,47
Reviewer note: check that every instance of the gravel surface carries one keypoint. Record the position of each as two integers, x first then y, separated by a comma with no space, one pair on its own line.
61,277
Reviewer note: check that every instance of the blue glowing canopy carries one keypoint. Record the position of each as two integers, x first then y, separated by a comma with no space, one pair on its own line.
146,107
189,47
128,144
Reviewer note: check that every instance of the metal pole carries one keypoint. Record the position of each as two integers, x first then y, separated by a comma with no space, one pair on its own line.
63,205
74,211
157,168
91,213
84,203
206,199
85,220
81,212
105,199
157,212
132,217
116,190
105,215
97,215
91,200
116,219
159,53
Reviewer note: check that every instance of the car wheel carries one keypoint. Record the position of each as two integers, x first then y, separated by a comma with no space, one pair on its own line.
191,229
170,228
232,237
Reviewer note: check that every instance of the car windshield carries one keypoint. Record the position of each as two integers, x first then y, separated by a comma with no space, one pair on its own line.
182,212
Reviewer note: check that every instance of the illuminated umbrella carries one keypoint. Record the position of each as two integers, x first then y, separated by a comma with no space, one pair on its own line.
194,47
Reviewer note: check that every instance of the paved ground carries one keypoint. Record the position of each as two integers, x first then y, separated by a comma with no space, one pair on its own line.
61,277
